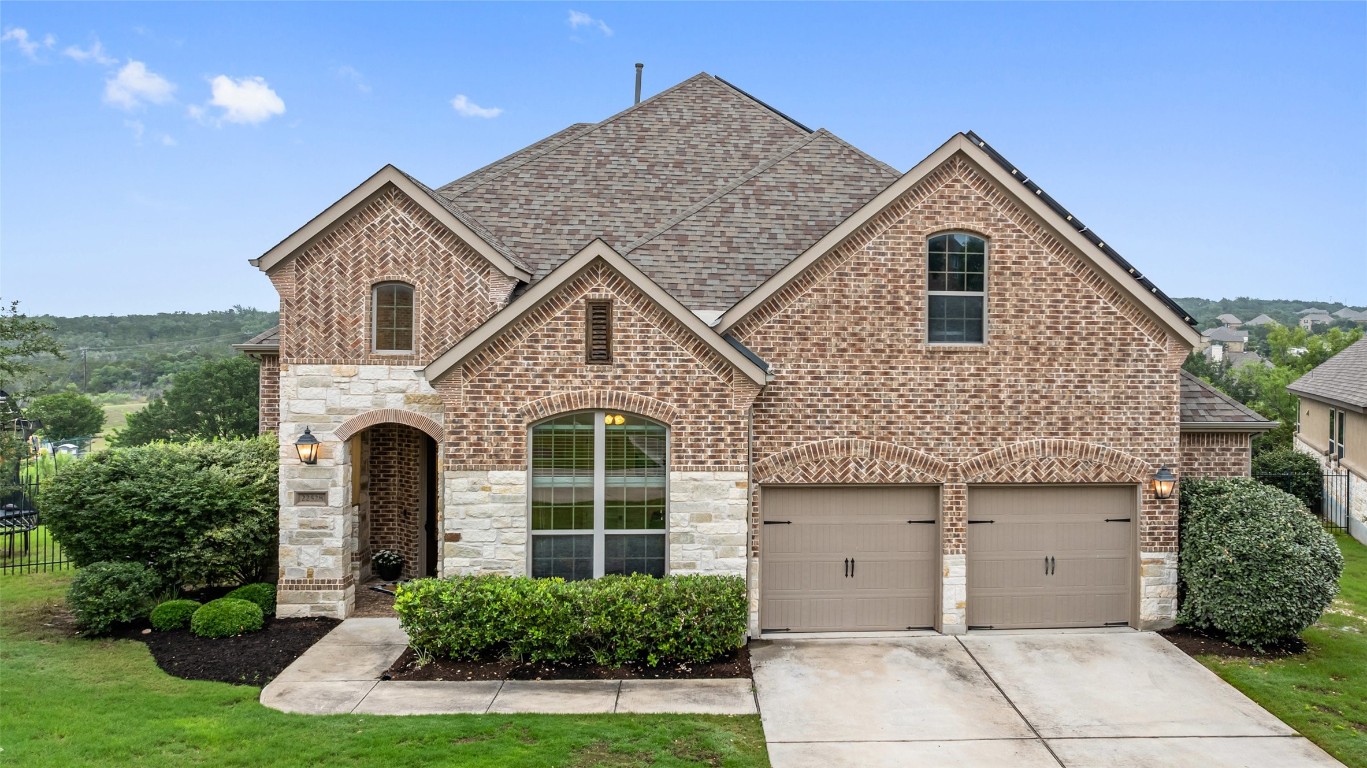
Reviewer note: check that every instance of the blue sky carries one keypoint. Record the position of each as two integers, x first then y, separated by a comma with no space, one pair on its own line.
148,150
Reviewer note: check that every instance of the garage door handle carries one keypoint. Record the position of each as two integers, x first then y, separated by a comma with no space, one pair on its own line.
851,567
1046,565
847,567
1053,566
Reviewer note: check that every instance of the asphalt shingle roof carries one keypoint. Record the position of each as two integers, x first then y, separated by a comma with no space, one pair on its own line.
1221,333
1261,320
1202,403
1341,379
1228,318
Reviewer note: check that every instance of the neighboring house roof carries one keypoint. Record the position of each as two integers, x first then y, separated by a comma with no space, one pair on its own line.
1206,409
1261,320
1348,313
1341,380
1239,359
1221,333
1312,311
1229,319
742,359
265,342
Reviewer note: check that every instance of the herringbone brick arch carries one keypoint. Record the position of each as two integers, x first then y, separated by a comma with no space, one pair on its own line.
598,399
388,416
850,460
1054,461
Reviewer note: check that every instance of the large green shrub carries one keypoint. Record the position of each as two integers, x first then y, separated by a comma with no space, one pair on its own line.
198,513
612,621
1299,474
1256,566
225,617
105,594
173,614
261,593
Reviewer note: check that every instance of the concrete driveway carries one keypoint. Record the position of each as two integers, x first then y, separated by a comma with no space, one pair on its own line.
1113,699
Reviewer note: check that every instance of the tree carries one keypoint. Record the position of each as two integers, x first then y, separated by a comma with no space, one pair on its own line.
218,399
66,415
21,340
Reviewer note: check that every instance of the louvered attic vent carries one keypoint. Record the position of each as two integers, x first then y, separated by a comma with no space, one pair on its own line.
598,333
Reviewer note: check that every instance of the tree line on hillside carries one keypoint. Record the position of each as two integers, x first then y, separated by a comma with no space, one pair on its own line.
1292,352
1284,311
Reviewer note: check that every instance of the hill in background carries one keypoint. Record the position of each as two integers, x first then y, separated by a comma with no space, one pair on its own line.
1282,310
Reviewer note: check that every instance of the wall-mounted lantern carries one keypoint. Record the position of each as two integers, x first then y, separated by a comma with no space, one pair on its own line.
1164,481
307,446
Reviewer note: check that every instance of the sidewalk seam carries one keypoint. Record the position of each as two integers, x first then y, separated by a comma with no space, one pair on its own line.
1019,713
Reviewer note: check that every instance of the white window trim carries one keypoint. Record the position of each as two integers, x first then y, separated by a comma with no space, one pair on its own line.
987,247
375,320
600,532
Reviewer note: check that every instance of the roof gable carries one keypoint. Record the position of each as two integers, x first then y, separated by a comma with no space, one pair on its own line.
1116,270
737,356
1341,380
444,211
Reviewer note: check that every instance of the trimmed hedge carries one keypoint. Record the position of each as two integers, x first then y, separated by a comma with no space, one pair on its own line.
261,593
1256,566
105,594
225,617
195,513
1299,474
173,614
611,621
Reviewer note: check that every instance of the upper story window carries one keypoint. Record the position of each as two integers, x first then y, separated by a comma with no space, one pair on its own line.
392,317
598,496
1336,419
956,289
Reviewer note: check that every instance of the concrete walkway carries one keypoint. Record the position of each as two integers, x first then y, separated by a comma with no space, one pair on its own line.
1119,700
340,674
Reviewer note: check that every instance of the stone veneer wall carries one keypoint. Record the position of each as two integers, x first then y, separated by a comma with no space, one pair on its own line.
318,569
396,492
859,396
1216,454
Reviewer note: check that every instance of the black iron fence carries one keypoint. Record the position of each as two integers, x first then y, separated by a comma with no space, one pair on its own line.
26,546
1327,494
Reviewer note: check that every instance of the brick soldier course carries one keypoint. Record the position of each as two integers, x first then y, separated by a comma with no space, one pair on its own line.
768,307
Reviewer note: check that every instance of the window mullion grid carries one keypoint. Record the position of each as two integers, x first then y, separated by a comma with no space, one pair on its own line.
599,487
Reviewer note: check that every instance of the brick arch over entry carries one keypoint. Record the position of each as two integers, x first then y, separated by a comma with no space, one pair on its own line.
1054,461
388,416
598,399
850,460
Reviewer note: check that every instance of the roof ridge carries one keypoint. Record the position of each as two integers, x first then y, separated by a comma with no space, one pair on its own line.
865,155
723,190
767,106
443,188
1206,385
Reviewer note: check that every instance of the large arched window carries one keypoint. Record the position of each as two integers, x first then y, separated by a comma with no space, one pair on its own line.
392,317
956,289
598,496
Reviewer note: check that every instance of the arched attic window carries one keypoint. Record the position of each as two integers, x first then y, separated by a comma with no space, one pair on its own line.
956,289
392,317
598,496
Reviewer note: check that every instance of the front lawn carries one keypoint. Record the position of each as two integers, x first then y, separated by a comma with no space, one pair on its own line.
1323,692
74,702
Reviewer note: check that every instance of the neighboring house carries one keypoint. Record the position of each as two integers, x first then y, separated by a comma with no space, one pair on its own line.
699,337
1347,313
1261,320
1230,321
1309,321
1312,311
1217,353
1226,337
1332,426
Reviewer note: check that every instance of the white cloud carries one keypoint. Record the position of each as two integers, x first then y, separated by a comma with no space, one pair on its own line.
350,73
94,53
27,46
166,140
244,100
137,128
136,85
579,19
467,108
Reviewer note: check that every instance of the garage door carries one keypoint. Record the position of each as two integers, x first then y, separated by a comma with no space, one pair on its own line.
1050,556
849,558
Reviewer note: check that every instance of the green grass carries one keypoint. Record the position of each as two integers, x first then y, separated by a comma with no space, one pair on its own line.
1323,692
42,549
115,418
75,702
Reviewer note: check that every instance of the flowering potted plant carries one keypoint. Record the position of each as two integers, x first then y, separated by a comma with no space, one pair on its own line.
388,564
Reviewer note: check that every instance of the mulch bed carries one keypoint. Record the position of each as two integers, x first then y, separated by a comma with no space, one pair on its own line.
251,659
1194,642
406,668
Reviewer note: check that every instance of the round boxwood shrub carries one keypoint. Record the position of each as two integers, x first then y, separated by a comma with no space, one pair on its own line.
1299,474
173,614
105,594
1256,566
225,617
261,593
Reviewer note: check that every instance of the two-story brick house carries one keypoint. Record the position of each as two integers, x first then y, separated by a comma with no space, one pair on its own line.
700,337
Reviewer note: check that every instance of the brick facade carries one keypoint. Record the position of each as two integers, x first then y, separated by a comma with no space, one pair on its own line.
396,499
268,409
1216,454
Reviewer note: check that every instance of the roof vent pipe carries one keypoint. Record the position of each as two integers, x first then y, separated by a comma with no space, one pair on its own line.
639,67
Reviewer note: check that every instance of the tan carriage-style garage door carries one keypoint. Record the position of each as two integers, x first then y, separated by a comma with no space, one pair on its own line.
1050,556
849,558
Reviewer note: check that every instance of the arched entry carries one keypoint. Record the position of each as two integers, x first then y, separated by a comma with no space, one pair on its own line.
394,498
